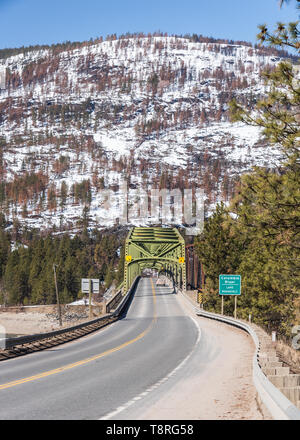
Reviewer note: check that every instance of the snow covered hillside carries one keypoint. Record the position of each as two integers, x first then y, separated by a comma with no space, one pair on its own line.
151,110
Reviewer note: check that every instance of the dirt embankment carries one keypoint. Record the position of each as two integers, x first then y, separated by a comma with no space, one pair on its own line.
41,319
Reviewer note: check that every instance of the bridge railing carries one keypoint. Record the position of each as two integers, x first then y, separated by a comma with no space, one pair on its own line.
114,301
125,299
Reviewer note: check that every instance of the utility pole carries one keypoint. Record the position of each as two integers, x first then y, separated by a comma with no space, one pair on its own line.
57,297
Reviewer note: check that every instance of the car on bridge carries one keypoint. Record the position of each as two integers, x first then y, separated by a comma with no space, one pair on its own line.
161,282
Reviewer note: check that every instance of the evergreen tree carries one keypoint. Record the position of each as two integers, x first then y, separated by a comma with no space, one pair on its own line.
63,194
220,249
4,251
16,276
27,272
268,202
109,277
258,236
71,278
10,277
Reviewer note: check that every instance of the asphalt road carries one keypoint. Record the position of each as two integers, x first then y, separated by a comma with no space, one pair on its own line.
100,374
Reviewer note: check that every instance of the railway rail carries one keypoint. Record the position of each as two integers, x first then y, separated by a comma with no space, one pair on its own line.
22,345
31,343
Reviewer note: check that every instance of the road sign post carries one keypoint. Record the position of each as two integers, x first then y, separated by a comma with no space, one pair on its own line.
235,306
230,285
90,299
90,286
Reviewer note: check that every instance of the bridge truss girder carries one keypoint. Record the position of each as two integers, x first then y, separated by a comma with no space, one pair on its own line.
159,248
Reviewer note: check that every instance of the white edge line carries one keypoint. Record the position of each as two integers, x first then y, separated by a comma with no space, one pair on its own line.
157,384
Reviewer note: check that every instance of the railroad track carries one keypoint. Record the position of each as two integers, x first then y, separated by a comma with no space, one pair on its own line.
29,344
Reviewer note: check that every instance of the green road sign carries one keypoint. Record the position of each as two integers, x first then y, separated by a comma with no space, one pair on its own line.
229,284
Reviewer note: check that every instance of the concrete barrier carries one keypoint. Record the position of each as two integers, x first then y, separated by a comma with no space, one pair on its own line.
278,401
278,371
269,364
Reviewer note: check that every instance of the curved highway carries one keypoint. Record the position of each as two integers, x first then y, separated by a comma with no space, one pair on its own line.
99,374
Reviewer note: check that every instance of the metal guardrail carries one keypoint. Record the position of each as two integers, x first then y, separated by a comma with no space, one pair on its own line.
126,297
279,406
110,305
22,340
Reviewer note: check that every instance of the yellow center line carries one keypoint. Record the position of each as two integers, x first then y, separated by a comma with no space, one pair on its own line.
87,360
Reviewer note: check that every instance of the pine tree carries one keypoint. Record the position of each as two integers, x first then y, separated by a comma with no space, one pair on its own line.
4,251
63,194
16,276
268,203
109,277
71,278
220,250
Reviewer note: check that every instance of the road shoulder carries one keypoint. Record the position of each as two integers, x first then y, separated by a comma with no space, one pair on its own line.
216,383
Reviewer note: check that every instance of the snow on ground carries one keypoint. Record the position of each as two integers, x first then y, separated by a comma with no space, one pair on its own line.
238,144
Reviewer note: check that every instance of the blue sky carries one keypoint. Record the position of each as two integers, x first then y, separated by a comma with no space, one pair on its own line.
25,22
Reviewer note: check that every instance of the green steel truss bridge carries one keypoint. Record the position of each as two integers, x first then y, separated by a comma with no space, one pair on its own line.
162,249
